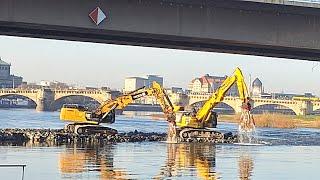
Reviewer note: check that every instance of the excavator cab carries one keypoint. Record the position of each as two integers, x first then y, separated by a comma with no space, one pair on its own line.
109,118
212,120
81,114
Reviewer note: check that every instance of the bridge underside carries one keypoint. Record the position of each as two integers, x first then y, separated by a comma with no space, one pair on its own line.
220,26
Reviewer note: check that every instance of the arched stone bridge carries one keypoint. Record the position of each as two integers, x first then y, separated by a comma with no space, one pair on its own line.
298,107
45,97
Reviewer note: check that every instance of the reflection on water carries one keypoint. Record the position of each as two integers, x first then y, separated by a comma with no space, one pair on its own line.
161,161
182,159
187,158
245,167
79,159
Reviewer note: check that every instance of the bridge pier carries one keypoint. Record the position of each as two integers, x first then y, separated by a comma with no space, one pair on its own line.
305,109
44,99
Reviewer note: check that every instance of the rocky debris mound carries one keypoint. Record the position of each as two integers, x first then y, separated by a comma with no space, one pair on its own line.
60,136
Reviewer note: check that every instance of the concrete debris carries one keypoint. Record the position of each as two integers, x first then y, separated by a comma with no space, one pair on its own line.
60,136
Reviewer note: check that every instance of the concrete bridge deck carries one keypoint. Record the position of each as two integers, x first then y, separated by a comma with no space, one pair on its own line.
300,3
274,28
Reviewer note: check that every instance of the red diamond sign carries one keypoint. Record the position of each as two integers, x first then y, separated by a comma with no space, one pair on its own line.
97,15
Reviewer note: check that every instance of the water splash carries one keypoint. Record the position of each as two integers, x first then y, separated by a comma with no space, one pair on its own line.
247,136
247,130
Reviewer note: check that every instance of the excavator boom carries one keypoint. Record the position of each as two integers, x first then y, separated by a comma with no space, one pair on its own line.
219,94
164,101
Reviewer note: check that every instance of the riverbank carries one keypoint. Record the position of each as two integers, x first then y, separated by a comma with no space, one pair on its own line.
277,120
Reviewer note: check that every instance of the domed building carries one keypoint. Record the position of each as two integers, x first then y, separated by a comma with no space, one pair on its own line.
6,79
257,89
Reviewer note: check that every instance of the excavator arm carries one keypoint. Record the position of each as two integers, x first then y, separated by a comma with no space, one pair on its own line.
162,98
218,96
155,90
105,113
119,103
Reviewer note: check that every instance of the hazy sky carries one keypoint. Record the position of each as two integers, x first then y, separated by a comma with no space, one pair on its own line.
94,64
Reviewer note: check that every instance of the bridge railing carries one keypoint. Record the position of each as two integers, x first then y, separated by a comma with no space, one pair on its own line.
66,91
79,91
7,91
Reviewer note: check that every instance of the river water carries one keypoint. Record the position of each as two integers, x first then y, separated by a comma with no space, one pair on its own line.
285,154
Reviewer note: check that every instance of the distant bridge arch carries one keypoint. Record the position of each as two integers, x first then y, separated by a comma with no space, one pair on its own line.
75,96
99,100
33,104
76,99
257,107
295,106
30,94
99,96
20,95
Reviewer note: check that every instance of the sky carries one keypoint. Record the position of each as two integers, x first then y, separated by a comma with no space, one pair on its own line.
94,64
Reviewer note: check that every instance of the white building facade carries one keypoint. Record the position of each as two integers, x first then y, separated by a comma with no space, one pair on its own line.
208,84
133,83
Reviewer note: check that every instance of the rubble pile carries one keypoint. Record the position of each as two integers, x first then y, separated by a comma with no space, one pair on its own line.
61,136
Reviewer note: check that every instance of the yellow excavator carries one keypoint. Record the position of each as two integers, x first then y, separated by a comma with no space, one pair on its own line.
189,126
197,126
88,122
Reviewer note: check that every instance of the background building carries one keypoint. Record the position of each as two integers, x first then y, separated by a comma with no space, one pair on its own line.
6,79
151,78
177,96
257,89
208,84
133,83
54,84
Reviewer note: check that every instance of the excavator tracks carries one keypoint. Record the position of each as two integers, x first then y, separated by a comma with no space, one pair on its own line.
200,135
87,129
